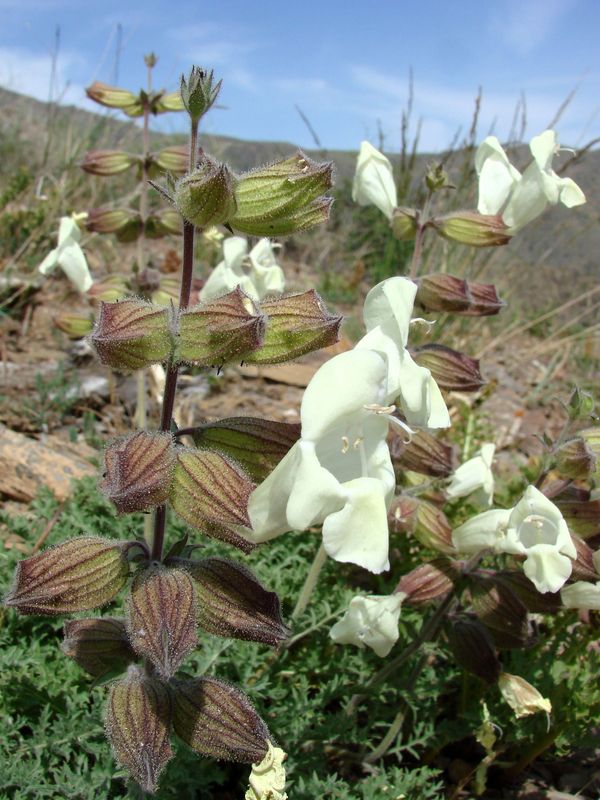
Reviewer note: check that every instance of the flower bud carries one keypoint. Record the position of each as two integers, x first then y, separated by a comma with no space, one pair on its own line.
432,528
232,603
423,454
76,326
138,471
296,324
125,223
469,227
167,101
132,334
219,331
535,602
167,291
167,222
57,581
442,292
575,459
581,405
583,518
402,514
109,289
283,198
207,196
113,97
138,726
256,444
521,696
591,437
436,177
161,617
199,92
211,494
584,567
473,648
451,370
107,162
498,607
430,581
173,159
217,720
99,645
404,223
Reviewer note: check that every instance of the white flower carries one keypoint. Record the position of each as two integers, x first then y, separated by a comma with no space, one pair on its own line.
387,315
475,475
522,198
374,180
69,256
371,621
339,474
264,276
267,779
583,594
521,696
534,528
497,176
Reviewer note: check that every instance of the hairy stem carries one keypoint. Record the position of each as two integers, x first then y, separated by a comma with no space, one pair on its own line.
396,726
160,516
310,582
418,249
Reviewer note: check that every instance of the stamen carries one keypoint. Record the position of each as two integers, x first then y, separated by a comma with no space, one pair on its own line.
387,412
345,444
357,442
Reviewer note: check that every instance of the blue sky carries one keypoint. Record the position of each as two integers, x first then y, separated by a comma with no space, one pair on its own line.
346,64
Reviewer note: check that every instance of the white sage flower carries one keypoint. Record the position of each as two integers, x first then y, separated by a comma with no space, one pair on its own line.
256,272
267,779
534,528
339,474
374,183
521,696
522,198
583,594
69,256
370,621
475,475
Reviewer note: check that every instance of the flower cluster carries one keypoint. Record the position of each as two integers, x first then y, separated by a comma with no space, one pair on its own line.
264,276
339,474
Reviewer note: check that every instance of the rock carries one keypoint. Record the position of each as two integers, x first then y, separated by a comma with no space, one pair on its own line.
28,464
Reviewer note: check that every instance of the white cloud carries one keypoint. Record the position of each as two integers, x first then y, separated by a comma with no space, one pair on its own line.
525,24
30,73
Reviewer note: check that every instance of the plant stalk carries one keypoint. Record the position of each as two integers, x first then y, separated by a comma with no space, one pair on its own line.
160,516
310,582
